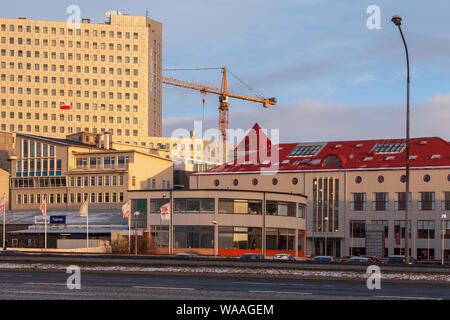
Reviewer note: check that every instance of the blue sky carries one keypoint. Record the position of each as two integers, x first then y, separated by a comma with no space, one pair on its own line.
333,77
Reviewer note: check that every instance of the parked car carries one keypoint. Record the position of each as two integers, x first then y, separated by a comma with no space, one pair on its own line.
400,259
251,256
323,259
186,255
374,259
287,257
358,260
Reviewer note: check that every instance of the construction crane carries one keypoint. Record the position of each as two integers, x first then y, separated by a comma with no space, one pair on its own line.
223,94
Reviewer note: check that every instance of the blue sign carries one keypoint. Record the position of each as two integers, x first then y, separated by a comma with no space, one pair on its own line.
57,219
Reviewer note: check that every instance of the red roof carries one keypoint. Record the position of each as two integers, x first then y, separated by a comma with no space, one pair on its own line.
338,155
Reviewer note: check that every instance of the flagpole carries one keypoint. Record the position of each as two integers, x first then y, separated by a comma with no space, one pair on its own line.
87,226
160,234
45,223
129,234
4,223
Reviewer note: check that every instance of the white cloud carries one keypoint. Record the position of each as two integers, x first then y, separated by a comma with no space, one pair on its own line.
314,120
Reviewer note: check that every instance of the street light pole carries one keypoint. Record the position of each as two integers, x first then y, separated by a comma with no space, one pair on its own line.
326,238
397,20
443,217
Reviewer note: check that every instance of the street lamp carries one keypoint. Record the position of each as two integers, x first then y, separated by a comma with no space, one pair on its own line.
216,248
326,230
443,217
135,235
397,20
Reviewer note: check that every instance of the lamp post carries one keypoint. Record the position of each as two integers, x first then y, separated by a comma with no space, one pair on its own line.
216,228
397,20
135,234
443,217
326,238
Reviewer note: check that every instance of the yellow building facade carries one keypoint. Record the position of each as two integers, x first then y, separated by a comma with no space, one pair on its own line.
109,73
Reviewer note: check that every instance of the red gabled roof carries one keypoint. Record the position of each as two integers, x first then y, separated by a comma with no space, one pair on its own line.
347,155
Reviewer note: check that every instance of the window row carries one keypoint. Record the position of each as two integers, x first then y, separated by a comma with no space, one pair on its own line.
70,44
59,198
380,179
380,201
76,106
51,182
425,229
70,117
231,206
109,162
53,129
70,56
69,31
96,181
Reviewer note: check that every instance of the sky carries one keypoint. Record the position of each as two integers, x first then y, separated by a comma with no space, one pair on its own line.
333,77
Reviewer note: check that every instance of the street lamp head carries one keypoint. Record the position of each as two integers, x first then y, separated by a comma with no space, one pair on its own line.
397,20
137,213
444,216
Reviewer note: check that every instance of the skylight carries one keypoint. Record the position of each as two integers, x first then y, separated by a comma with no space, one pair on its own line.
389,147
304,151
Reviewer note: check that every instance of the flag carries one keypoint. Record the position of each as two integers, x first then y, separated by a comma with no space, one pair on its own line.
66,107
83,209
43,208
2,205
126,209
165,212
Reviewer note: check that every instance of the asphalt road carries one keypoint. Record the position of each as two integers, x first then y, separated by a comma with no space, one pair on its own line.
107,286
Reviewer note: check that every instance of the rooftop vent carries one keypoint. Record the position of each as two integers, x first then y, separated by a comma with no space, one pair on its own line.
423,142
390,158
338,146
413,157
285,161
368,159
435,156
359,145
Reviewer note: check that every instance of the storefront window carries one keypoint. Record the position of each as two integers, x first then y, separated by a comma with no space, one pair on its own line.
231,206
193,237
240,238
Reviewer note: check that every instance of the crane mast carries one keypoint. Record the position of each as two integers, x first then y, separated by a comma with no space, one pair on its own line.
224,95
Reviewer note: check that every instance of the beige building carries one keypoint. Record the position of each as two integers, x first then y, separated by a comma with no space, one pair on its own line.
4,187
350,186
109,73
223,222
67,171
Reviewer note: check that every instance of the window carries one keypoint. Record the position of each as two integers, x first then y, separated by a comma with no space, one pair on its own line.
400,203
302,151
280,239
389,147
231,206
358,202
332,161
426,201
193,237
357,228
380,201
446,200
275,208
243,238
425,229
194,205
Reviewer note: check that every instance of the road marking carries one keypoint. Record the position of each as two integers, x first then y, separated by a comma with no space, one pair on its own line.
263,283
52,293
410,298
280,292
285,284
46,283
173,288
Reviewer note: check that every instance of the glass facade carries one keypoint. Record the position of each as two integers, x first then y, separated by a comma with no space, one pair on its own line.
246,238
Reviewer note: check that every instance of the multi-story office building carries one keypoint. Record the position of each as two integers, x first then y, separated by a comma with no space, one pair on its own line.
66,172
109,73
350,185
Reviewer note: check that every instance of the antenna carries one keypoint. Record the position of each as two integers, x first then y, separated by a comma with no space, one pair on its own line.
146,13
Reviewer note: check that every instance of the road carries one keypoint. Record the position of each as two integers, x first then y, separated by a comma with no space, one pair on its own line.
25,285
